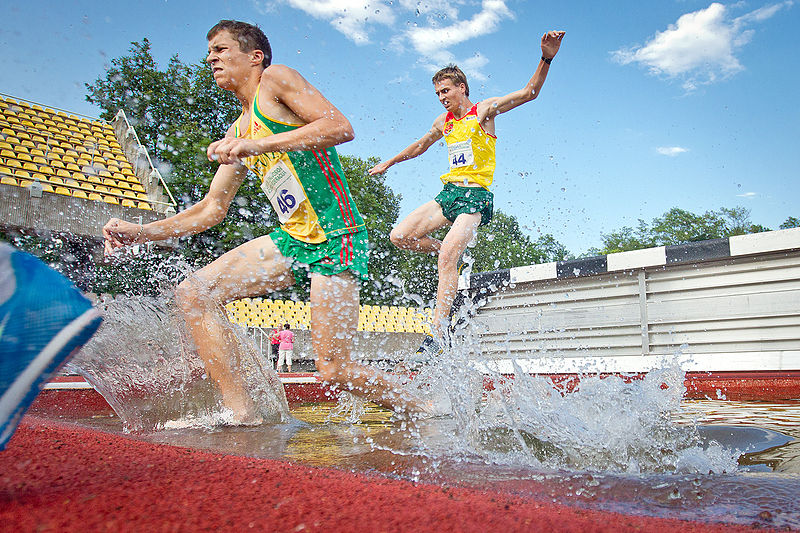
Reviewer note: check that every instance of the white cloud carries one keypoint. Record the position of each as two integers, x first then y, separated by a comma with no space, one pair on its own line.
431,40
671,151
747,195
351,17
700,48
438,26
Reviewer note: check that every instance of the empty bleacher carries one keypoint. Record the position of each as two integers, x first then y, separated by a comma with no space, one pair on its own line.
266,313
67,155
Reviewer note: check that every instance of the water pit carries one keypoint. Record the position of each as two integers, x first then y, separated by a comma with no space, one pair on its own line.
614,444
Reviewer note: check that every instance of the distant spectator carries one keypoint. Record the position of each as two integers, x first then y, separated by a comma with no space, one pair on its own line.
285,349
275,342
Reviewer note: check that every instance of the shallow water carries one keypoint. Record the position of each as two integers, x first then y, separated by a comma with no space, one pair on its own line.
631,445
764,489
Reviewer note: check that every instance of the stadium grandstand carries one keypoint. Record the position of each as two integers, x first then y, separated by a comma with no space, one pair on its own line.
263,313
64,175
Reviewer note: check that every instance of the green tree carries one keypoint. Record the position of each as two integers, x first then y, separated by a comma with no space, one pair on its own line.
502,244
791,222
678,226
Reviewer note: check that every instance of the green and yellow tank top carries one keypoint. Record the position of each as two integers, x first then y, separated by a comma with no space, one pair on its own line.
470,150
307,188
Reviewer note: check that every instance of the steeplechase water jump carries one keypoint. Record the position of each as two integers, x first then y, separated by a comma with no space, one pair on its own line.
647,389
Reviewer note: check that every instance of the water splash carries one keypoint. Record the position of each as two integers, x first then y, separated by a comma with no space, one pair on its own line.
619,424
143,362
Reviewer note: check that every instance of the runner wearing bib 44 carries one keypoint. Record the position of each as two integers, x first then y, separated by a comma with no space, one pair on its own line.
465,203
470,151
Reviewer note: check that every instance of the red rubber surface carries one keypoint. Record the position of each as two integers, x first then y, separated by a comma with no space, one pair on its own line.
59,477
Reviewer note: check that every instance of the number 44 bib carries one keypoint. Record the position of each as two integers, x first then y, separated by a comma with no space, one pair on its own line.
460,154
283,190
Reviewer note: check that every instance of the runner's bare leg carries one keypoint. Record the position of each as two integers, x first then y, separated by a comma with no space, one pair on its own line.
334,320
249,270
455,242
414,232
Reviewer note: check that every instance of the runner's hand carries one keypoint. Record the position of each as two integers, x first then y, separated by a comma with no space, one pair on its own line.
232,150
380,168
551,42
118,233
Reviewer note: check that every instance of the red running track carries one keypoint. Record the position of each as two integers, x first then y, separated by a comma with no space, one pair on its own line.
56,476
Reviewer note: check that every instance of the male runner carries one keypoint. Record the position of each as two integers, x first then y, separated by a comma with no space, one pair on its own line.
466,202
286,135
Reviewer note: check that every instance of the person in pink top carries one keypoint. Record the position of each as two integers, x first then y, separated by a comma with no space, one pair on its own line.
285,349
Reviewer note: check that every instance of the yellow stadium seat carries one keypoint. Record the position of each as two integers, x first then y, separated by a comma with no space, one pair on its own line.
77,193
110,200
128,203
95,196
8,180
46,187
62,190
55,180
32,167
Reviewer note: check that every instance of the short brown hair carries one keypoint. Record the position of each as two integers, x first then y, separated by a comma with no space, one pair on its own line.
453,73
248,36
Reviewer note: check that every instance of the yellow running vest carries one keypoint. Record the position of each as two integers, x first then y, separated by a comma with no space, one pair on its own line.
307,188
470,151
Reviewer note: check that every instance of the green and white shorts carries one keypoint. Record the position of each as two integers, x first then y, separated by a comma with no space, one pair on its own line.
331,257
457,200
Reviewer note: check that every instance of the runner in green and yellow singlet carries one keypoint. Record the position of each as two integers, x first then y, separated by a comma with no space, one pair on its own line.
286,135
465,203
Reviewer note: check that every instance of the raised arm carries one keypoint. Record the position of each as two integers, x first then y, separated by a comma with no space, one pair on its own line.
414,149
206,213
491,107
324,125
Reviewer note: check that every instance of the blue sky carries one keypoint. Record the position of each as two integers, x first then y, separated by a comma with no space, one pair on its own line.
649,105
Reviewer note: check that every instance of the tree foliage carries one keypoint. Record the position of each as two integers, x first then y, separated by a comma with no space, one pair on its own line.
791,222
502,244
678,226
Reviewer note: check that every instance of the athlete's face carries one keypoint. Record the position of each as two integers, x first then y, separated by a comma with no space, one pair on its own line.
229,64
450,95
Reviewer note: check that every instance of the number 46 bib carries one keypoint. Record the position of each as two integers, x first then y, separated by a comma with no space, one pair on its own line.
283,190
460,154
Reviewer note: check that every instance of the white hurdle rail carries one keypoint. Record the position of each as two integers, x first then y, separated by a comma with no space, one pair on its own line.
728,304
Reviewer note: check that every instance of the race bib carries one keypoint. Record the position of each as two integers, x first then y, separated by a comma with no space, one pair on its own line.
460,154
283,190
